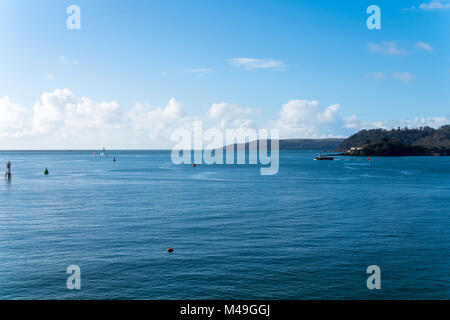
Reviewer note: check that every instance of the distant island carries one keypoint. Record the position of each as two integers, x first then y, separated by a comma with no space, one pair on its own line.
423,141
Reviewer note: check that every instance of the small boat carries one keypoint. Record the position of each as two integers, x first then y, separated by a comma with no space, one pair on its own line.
319,157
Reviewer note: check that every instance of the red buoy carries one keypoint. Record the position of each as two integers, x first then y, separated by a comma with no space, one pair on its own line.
169,249
194,165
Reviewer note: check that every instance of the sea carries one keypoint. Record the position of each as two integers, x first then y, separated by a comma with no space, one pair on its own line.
309,232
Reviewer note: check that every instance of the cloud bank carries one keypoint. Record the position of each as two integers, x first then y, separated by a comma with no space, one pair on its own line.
61,120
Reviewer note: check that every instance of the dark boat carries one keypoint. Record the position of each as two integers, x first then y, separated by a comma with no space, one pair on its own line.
319,157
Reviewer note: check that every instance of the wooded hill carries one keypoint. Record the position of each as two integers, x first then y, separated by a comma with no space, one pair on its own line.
398,142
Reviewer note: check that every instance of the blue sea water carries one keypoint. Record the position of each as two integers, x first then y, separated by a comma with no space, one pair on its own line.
308,232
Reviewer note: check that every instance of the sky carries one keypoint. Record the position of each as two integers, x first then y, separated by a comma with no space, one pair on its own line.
136,71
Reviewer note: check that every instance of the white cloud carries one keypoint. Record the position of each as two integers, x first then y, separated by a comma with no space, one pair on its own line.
352,122
434,5
150,127
434,122
251,64
424,46
403,76
388,48
307,119
14,119
60,111
155,122
416,122
230,116
375,125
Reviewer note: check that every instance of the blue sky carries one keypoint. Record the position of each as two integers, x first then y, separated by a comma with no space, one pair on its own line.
261,63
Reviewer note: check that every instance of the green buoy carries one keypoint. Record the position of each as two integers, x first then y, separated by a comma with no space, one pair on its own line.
46,171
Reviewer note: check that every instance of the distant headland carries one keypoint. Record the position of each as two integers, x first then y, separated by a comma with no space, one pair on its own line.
424,141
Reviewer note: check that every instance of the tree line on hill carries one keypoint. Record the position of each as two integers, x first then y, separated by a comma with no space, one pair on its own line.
424,141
